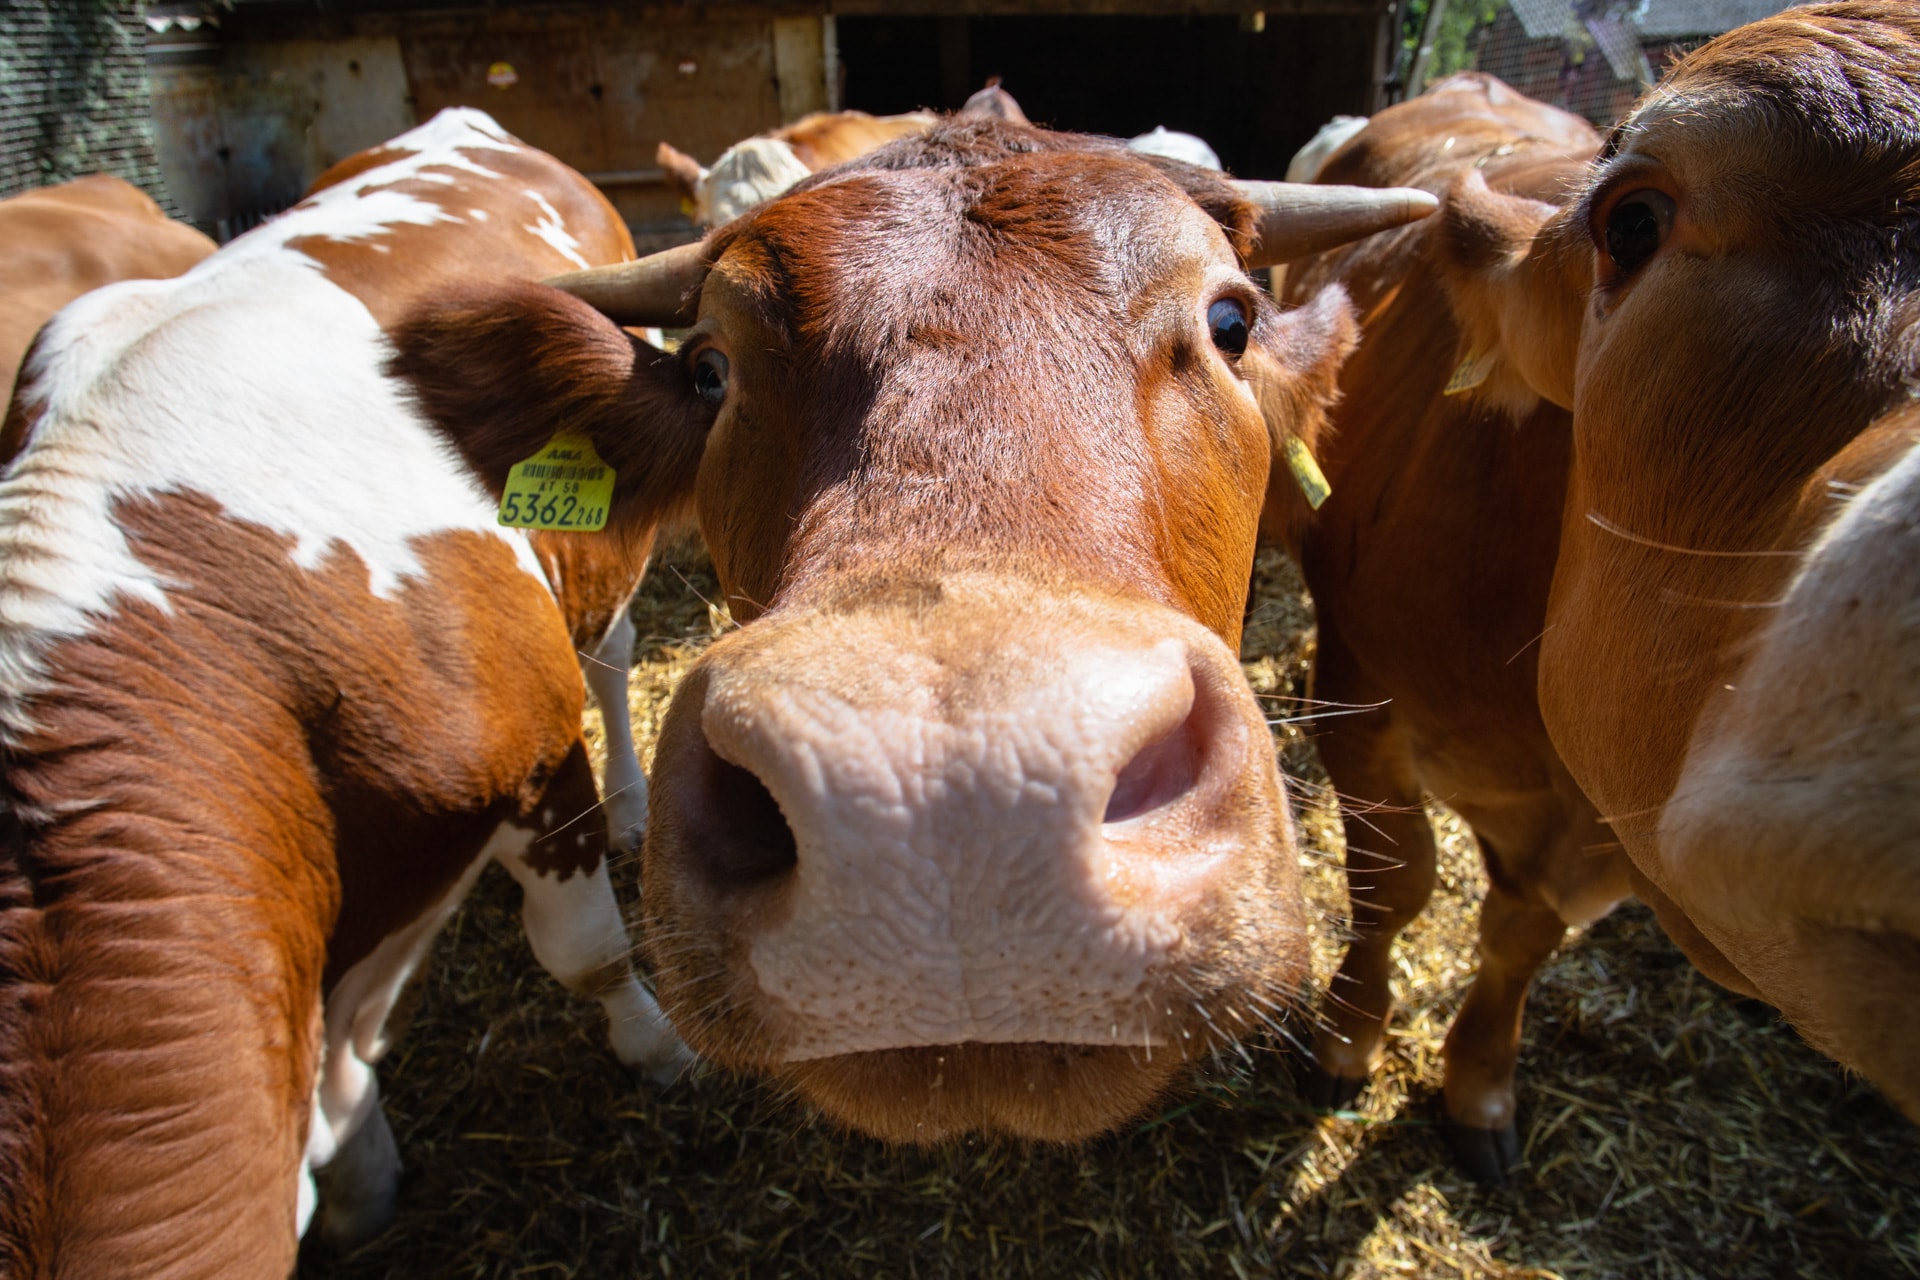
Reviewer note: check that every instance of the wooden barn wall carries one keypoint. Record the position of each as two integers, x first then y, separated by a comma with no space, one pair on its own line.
248,115
1255,95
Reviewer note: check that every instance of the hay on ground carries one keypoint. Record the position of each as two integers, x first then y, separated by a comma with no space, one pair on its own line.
1671,1129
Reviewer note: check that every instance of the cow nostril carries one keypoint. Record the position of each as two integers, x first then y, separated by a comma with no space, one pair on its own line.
754,842
1158,774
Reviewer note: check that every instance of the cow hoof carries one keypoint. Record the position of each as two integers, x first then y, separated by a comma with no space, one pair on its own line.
360,1186
1324,1091
650,1048
1485,1155
626,823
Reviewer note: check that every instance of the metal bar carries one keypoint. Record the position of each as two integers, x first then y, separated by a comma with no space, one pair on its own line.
627,178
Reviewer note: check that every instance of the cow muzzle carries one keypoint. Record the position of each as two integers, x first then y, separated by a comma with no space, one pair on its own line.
962,832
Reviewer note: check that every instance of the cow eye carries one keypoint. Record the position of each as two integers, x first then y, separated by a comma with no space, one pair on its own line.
1227,325
710,376
1636,224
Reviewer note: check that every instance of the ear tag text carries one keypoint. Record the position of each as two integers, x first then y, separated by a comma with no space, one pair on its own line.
1307,473
564,486
1473,371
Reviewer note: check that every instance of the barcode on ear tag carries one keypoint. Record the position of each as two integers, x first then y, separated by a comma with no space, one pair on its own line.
564,486
1473,371
1307,473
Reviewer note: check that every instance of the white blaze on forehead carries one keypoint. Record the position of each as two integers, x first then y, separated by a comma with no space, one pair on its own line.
1334,134
748,174
1175,145
253,380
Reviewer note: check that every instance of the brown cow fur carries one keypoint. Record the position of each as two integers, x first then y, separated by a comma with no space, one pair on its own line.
1445,509
1733,391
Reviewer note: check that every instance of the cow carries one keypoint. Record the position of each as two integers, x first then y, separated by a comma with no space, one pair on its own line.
1443,508
278,686
759,168
974,824
1729,662
59,242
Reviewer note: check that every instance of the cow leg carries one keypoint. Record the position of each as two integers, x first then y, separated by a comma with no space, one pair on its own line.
574,927
626,785
360,1186
354,1161
1390,874
1483,1045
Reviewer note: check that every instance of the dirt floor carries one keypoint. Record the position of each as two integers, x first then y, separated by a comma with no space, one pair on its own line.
1671,1129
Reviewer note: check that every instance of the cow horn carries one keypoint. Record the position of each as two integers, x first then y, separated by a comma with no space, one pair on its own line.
1298,218
655,290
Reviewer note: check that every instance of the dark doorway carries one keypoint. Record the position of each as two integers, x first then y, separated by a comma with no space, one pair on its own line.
1255,96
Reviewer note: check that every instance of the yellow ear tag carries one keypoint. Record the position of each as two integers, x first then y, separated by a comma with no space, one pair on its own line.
1473,371
564,486
1312,481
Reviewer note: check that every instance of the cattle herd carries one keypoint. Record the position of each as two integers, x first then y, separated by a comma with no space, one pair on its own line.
1598,454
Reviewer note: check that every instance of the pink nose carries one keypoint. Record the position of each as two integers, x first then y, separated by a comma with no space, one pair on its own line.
981,821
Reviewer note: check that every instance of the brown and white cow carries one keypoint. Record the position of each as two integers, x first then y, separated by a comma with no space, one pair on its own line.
59,242
975,824
759,168
1445,508
1731,658
276,689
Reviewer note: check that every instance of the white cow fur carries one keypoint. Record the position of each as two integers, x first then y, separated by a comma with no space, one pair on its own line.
747,174
1175,145
1310,159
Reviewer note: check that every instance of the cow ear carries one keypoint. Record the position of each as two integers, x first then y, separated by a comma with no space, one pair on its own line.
1517,273
682,170
1295,372
500,369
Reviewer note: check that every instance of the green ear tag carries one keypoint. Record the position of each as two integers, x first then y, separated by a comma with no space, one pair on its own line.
564,486
1473,371
1312,481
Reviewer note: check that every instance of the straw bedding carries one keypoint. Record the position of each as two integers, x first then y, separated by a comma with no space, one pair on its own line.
1671,1129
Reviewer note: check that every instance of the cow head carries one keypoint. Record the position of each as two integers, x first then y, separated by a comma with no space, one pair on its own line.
975,823
1730,310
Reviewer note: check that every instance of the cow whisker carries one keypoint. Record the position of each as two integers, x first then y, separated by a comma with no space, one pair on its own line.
1601,522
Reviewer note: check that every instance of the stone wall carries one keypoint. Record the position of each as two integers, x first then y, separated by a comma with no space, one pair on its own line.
74,95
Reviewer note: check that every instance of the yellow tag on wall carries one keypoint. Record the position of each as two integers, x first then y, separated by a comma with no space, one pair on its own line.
564,486
1312,481
1473,371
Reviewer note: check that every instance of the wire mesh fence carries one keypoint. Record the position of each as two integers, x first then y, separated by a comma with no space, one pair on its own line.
1591,57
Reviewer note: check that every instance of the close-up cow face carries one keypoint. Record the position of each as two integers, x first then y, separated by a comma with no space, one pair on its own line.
976,824
1733,325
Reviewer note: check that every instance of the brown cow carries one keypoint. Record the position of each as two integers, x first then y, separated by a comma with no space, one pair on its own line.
1445,509
59,242
975,823
277,688
1729,664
